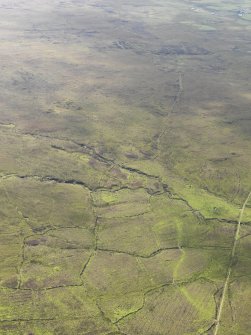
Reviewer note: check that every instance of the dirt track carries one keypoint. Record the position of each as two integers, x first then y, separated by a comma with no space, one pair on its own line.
226,283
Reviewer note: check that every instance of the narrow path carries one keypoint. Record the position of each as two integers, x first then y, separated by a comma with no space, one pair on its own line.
172,108
179,263
226,283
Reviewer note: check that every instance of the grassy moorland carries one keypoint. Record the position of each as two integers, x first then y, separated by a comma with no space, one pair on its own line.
125,167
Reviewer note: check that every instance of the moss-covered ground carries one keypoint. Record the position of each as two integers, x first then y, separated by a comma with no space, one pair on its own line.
125,161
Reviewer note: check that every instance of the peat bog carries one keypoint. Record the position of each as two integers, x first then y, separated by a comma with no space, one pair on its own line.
125,131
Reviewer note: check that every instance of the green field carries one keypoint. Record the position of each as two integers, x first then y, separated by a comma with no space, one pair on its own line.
125,167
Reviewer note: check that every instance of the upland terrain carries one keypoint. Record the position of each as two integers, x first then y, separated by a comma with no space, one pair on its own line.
125,167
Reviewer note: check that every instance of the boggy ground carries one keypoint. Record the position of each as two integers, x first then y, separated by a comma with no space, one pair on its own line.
125,161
